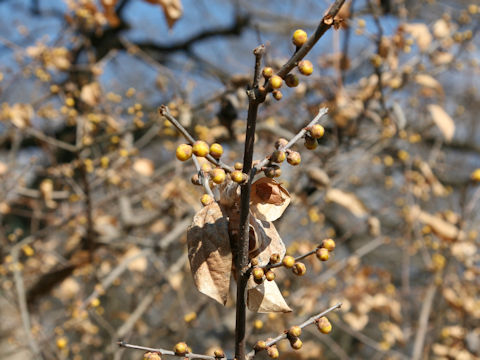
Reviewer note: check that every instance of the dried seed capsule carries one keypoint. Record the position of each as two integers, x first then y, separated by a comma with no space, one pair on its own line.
195,179
299,269
274,258
294,158
278,156
310,143
292,80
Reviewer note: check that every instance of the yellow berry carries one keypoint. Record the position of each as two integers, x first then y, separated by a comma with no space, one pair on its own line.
299,37
62,343
322,254
292,80
216,150
475,175
257,273
200,148
270,275
310,143
278,156
238,176
277,95
180,349
267,72
260,345
299,269
184,152
295,331
288,261
219,353
276,82
273,171
328,244
206,167
324,325
272,351
305,67
206,199
152,356
296,343
274,258
217,175
317,131
238,166
294,158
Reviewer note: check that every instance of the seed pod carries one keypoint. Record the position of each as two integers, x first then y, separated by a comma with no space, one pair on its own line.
295,331
299,269
281,143
260,345
328,244
277,95
294,158
278,156
272,351
296,343
180,349
317,131
274,258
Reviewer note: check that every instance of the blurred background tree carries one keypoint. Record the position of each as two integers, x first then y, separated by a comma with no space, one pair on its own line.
94,211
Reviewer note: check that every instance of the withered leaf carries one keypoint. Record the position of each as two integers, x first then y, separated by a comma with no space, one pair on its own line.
269,199
90,94
266,298
267,239
209,252
443,121
440,227
420,33
347,200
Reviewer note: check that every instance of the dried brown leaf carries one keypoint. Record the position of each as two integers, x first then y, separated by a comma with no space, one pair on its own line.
440,227
144,166
268,240
429,81
269,199
347,200
420,33
442,120
209,252
90,94
172,9
266,298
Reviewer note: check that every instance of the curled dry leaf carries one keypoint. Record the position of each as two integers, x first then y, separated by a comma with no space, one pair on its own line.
171,8
440,227
420,33
347,200
267,239
265,298
442,120
429,82
269,199
90,94
144,166
209,252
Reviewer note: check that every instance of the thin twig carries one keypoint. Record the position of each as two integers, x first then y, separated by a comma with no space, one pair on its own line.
258,52
163,111
323,111
192,356
423,322
282,336
202,177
